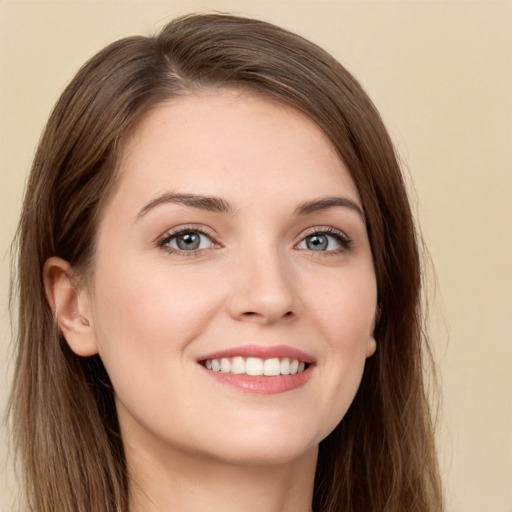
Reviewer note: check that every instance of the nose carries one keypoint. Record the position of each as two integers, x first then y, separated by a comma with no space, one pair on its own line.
262,288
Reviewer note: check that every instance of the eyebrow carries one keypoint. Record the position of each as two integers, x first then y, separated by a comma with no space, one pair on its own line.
208,203
329,202
219,205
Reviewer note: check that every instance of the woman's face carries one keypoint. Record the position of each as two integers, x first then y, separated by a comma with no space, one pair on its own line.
235,236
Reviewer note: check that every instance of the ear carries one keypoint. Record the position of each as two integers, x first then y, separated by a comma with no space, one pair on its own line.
371,347
70,307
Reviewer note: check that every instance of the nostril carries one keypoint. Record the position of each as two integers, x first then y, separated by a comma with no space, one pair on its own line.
288,314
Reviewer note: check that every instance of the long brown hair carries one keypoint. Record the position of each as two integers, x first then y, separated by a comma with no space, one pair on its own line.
381,457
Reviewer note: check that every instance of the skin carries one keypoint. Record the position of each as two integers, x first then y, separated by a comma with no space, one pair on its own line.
192,442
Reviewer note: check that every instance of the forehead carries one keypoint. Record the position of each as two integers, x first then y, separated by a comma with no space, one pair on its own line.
226,142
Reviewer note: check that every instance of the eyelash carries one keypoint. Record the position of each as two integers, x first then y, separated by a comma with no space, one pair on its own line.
339,236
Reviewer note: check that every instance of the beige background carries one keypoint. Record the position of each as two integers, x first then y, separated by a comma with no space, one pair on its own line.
441,74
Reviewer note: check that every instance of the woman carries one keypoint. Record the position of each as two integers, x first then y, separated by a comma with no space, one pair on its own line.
219,287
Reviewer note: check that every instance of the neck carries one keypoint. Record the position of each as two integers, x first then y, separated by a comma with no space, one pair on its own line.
189,482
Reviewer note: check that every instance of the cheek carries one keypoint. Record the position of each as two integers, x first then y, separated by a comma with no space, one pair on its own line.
345,308
345,318
141,301
350,330
146,317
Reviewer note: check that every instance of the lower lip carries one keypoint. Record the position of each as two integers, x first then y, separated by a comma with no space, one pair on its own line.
261,384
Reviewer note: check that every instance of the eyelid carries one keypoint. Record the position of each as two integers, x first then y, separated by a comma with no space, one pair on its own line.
329,230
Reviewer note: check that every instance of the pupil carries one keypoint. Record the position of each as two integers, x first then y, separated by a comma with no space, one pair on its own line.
317,242
188,241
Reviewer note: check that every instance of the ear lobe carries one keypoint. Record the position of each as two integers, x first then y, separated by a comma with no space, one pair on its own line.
371,347
70,309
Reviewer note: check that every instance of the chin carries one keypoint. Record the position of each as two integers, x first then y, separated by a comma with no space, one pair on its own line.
270,455
264,445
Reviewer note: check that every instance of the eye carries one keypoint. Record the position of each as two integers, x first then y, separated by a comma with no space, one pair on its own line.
187,240
325,241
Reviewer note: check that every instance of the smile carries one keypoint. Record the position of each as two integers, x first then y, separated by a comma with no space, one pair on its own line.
256,366
264,370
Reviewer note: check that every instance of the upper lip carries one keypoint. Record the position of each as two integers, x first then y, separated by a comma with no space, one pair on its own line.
262,352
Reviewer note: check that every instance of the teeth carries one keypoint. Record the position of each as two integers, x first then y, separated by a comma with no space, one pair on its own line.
237,365
225,365
272,367
256,366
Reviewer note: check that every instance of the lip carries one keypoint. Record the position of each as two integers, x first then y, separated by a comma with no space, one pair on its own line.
262,352
261,384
